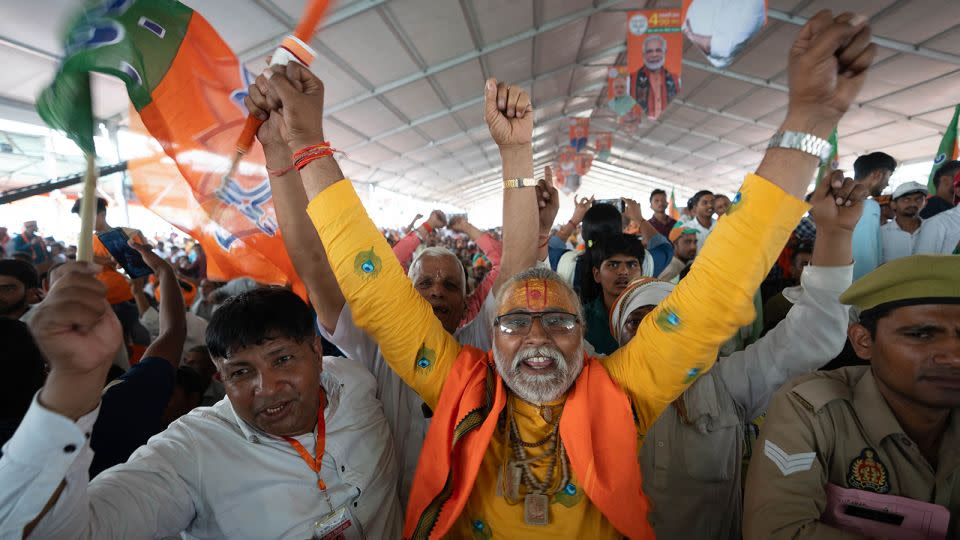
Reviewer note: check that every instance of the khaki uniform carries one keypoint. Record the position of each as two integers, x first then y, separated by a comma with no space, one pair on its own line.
835,427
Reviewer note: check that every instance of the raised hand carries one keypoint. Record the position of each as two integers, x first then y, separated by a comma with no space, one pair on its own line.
295,94
827,67
509,114
151,259
437,219
580,210
838,202
548,201
79,335
631,209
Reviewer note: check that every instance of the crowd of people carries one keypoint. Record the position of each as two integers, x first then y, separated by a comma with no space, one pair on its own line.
781,362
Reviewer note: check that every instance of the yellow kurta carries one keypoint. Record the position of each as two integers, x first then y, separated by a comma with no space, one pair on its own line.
675,344
489,516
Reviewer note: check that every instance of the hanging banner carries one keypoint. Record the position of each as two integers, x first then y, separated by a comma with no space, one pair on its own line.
619,99
603,143
567,165
583,163
721,28
579,133
654,57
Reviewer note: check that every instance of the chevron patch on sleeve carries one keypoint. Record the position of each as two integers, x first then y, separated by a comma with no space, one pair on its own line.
788,463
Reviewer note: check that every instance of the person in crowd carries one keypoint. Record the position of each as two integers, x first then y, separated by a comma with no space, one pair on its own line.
199,360
32,244
940,234
300,431
188,392
24,372
945,182
4,239
194,266
132,406
659,250
873,171
436,274
655,87
19,288
537,374
886,209
899,235
490,246
868,436
212,294
119,293
684,240
720,204
691,456
614,263
777,306
660,220
701,207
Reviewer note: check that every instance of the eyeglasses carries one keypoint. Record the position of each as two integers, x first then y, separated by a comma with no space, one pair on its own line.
553,322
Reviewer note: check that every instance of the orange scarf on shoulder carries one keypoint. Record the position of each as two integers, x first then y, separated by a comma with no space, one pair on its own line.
597,429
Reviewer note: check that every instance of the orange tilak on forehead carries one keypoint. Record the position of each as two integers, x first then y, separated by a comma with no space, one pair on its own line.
537,295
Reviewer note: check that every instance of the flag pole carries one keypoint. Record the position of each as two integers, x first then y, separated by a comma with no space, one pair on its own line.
88,208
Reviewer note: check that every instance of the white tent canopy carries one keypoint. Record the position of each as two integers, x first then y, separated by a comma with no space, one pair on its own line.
404,80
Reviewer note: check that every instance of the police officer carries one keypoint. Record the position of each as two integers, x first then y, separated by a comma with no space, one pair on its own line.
841,450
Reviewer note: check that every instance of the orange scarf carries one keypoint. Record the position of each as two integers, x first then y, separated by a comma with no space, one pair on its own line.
597,429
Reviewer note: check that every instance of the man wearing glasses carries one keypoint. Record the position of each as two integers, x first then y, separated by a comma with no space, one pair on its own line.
535,439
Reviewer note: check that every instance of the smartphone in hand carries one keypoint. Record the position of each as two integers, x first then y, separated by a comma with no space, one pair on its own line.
115,240
617,203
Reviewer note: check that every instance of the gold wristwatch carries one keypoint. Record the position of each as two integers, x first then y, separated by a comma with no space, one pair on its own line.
519,182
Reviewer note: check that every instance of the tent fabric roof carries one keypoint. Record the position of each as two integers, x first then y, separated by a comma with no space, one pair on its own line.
404,80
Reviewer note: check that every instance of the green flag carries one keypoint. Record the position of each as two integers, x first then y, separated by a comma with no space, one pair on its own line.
947,150
134,40
834,162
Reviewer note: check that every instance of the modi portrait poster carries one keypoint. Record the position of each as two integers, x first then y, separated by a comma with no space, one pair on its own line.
654,57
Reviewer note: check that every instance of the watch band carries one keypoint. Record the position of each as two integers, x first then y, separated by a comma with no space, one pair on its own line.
519,183
804,142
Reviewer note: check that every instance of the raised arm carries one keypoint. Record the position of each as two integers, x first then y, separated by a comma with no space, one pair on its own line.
679,339
815,328
290,201
509,116
382,299
173,313
407,245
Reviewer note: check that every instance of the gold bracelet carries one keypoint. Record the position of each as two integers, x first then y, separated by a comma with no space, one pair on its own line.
519,183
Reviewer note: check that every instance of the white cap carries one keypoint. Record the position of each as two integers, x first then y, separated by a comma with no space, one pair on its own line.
907,188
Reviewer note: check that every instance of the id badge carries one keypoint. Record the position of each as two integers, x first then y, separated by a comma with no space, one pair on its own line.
337,525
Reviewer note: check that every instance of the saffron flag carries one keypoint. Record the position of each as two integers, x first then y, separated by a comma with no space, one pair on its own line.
948,150
188,88
579,132
674,213
834,162
721,28
654,57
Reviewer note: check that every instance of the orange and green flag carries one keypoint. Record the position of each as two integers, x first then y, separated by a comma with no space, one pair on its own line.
674,213
949,149
188,88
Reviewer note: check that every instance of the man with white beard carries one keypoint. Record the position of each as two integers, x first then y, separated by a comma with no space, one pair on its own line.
546,445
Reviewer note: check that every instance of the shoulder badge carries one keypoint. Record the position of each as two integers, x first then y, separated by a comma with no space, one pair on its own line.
868,473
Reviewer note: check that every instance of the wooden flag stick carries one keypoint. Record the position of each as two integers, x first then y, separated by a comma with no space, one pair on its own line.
88,211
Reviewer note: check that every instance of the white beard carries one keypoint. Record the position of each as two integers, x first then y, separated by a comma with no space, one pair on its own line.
539,388
657,66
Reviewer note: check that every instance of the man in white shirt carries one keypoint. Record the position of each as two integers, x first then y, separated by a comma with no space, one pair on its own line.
299,446
701,207
898,236
940,234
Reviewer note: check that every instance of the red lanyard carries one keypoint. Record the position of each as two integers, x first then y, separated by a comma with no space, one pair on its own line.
315,461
